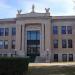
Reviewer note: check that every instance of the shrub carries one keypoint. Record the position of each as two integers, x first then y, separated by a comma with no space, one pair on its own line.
13,66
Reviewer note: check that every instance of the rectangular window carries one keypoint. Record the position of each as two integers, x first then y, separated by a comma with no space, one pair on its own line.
33,42
13,44
5,55
0,55
56,57
70,57
64,43
1,31
1,44
6,44
55,43
64,57
55,30
63,29
69,43
28,35
13,31
6,31
69,29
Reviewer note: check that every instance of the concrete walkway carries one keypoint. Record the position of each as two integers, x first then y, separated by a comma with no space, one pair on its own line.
52,64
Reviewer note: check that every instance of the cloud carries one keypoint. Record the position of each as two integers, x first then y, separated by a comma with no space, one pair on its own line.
6,10
57,7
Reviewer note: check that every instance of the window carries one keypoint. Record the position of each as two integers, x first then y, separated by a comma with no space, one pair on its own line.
6,31
69,43
13,31
5,55
56,57
0,55
55,30
28,35
13,44
69,29
1,31
33,42
38,35
64,57
1,44
55,43
64,43
33,35
63,29
6,44
70,57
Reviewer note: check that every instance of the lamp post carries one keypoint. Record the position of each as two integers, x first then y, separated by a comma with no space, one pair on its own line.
47,55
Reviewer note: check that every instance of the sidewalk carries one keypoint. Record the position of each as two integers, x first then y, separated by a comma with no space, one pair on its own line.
53,64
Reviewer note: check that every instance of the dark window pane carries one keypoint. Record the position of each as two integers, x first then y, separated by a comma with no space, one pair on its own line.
5,55
0,55
1,44
33,35
6,44
63,29
6,31
69,29
64,57
55,43
64,43
28,35
69,43
56,57
13,44
1,31
70,57
13,31
55,30
38,35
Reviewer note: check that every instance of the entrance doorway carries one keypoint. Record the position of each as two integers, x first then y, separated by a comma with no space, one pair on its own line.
33,43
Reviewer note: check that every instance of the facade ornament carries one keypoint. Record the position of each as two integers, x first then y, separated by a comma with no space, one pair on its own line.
33,7
19,11
47,10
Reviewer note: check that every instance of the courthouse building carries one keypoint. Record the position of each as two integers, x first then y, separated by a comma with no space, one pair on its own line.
49,38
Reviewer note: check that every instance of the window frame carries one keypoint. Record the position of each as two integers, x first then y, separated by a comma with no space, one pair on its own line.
13,31
55,43
13,44
55,30
69,29
70,43
64,43
63,30
6,45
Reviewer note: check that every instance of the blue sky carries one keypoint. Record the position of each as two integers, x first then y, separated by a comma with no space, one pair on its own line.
8,8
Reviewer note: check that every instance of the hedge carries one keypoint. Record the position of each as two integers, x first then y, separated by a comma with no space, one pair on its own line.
13,66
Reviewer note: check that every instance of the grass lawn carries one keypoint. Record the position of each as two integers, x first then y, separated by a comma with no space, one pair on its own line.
51,70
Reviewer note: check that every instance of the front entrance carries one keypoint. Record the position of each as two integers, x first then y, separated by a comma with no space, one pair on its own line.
33,43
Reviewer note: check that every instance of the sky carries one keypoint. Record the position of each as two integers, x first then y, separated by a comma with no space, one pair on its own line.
8,8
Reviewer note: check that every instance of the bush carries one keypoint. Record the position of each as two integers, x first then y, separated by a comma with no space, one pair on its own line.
32,58
13,66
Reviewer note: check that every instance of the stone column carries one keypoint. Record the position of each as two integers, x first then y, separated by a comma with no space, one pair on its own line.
23,35
48,38
18,37
42,41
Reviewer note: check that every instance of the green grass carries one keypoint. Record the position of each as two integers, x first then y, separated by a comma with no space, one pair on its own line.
52,70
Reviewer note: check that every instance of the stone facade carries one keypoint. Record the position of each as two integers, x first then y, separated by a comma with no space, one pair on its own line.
44,23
